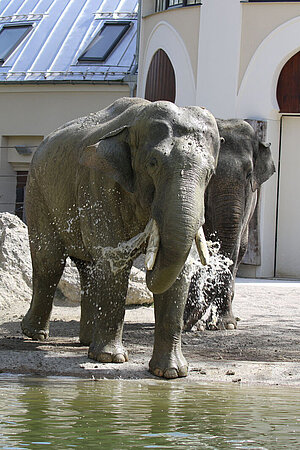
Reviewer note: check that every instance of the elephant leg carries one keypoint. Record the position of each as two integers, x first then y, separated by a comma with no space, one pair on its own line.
104,309
167,360
223,304
88,304
48,265
195,305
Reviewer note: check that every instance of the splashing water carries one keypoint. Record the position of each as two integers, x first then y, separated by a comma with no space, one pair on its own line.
119,257
208,284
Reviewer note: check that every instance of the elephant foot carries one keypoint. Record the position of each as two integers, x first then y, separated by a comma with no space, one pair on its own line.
108,353
30,329
226,322
193,319
169,367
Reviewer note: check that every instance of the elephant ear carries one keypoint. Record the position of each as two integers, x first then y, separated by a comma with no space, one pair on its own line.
111,155
264,166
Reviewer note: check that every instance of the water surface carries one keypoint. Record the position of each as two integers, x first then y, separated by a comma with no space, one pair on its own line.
66,413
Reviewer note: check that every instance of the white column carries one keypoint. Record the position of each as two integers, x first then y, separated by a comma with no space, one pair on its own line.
219,54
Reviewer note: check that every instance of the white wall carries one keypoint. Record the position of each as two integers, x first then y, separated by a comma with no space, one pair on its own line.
219,53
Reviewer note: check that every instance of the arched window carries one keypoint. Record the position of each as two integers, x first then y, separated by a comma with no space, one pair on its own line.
160,84
288,87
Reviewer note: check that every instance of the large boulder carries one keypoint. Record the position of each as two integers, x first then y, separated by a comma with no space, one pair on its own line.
15,262
16,271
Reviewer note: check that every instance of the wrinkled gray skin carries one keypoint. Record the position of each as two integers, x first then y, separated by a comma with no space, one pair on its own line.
244,164
96,182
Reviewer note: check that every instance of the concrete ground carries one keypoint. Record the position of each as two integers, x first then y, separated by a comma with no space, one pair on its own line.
264,349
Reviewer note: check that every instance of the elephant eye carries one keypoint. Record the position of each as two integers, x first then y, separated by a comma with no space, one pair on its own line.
153,162
249,174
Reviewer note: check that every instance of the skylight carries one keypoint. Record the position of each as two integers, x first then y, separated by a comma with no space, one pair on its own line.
10,37
104,43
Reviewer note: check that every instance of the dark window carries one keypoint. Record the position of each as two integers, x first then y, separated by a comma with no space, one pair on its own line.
160,84
103,44
161,5
10,37
20,194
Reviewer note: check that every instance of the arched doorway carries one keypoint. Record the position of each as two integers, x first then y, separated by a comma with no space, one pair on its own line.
288,87
160,84
288,224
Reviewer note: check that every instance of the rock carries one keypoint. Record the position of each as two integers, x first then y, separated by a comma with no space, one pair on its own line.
16,271
15,261
68,289
138,293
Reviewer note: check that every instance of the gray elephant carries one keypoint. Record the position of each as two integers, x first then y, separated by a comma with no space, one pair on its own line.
244,164
99,189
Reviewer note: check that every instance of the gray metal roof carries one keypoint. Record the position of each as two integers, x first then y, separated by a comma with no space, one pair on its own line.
62,29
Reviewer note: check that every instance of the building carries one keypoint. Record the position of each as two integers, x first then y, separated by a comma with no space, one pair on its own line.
59,60
240,59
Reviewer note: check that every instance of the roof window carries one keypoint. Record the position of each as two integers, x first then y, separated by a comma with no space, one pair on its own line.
10,37
104,43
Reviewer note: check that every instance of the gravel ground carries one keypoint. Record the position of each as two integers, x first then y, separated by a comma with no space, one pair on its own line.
264,349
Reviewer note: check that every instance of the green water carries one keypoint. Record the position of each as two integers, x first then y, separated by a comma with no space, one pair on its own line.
66,413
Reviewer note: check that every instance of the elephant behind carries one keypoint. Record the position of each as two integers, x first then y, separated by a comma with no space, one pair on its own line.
244,164
101,190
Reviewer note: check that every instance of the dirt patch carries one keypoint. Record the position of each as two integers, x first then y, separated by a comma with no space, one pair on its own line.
264,349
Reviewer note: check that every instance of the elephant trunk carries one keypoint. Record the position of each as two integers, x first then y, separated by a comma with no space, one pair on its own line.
177,227
227,222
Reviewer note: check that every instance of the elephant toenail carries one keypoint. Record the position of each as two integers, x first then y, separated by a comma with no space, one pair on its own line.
183,371
171,373
158,372
119,358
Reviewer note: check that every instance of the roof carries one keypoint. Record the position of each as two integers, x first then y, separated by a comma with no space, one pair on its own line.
61,32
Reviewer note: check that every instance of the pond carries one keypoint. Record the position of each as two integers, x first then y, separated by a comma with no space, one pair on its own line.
62,413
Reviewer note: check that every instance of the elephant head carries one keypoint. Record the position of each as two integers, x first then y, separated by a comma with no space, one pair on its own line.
244,164
162,156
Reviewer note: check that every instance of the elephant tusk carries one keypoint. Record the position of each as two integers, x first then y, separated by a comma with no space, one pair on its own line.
202,247
153,245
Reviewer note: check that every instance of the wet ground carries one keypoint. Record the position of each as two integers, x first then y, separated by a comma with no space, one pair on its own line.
264,349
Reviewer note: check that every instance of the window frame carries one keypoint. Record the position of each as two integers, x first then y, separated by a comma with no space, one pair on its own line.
28,26
82,59
167,6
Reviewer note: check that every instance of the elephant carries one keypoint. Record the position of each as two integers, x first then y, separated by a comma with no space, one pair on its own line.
104,188
244,164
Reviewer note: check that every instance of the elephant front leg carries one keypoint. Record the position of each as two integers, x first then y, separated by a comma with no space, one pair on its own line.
167,360
105,316
35,323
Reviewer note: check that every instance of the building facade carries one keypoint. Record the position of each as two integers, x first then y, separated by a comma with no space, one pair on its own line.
59,60
240,59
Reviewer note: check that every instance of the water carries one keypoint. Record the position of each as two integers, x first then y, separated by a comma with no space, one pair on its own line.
66,413
208,287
